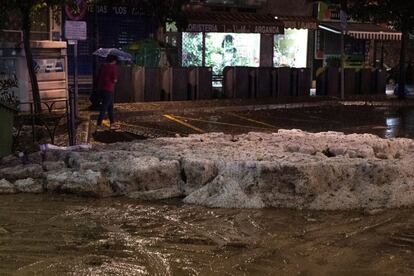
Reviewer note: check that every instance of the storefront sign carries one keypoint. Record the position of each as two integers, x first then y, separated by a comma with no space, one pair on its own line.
234,28
75,30
300,25
116,10
331,13
46,66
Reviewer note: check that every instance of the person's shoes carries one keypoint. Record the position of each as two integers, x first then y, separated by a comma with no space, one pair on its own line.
106,123
100,128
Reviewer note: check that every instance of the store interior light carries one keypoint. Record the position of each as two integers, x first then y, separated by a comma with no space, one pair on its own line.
329,29
276,17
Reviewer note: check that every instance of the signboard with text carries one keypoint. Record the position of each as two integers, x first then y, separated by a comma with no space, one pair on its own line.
332,13
235,28
75,30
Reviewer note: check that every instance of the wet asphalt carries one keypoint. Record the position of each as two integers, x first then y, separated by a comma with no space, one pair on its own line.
386,122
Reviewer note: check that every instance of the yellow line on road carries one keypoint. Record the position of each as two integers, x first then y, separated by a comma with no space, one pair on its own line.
224,124
135,126
174,119
250,120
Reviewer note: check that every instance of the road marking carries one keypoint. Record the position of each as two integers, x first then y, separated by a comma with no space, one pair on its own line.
251,120
146,131
224,124
177,120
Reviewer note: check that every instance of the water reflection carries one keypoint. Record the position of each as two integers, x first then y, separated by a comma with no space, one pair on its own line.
393,127
399,123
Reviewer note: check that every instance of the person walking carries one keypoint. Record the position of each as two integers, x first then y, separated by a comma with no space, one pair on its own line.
106,84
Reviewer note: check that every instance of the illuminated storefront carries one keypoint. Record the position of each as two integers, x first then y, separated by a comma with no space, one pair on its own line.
220,40
291,49
221,50
223,39
361,40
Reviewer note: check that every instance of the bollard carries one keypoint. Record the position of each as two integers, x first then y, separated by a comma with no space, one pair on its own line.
333,82
123,87
282,82
304,80
201,83
351,88
365,81
175,83
238,82
380,81
146,84
263,82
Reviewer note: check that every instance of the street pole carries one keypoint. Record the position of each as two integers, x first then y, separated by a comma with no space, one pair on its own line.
72,118
203,54
73,96
74,31
342,65
75,76
344,23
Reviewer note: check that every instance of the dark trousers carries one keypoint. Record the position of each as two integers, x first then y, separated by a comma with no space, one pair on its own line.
106,106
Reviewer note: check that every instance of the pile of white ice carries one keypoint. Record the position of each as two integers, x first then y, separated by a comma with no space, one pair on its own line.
290,168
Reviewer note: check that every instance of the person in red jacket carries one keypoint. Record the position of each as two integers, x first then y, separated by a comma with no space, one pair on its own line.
106,85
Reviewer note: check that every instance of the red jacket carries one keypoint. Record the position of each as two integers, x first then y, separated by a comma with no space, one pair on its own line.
107,77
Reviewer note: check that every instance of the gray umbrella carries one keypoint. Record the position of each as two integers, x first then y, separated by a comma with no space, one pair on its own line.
104,52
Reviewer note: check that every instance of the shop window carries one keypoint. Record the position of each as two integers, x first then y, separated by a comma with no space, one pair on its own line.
231,49
291,48
192,52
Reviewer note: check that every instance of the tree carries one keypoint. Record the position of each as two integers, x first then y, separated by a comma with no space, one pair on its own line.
164,11
397,14
26,11
161,10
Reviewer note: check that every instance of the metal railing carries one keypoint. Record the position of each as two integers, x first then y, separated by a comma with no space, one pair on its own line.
53,112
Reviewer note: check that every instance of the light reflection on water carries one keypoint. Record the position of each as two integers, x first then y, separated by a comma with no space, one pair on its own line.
393,125
399,123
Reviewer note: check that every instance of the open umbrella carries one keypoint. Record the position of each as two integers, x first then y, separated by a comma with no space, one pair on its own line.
104,52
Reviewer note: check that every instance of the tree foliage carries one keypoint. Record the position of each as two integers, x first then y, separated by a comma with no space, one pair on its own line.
160,11
395,13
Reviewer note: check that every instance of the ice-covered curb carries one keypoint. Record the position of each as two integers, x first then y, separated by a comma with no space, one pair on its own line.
290,168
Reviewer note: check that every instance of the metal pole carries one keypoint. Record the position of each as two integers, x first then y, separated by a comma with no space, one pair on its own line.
68,119
342,65
203,62
73,97
75,76
72,119
344,23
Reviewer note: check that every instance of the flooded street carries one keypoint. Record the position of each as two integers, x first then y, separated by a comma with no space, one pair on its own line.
61,235
65,235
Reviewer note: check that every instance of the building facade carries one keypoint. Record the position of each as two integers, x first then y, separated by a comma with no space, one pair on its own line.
247,33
